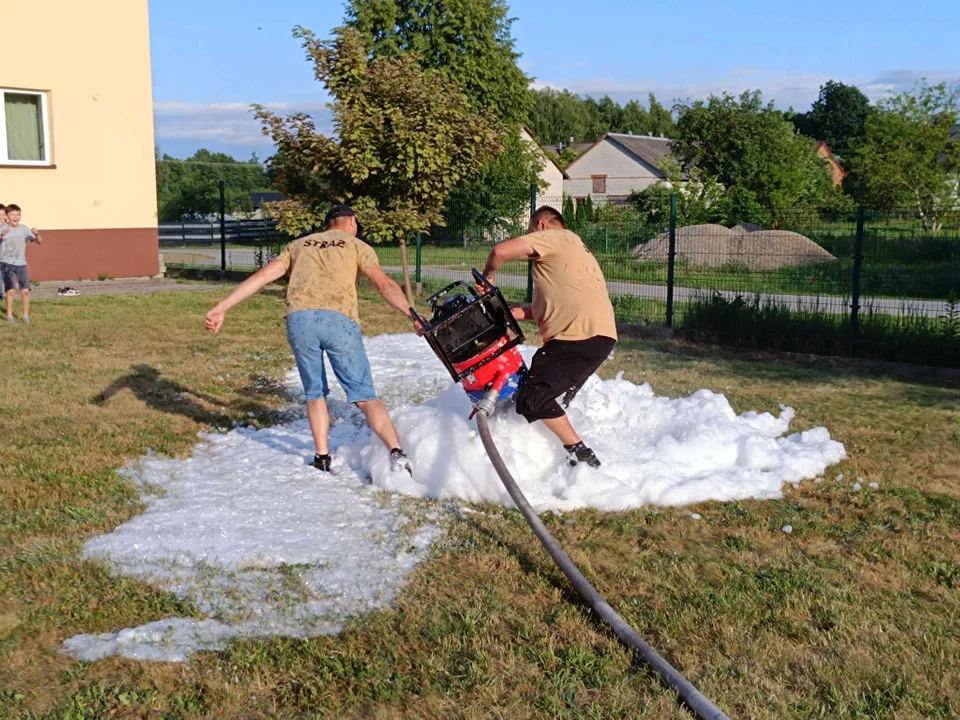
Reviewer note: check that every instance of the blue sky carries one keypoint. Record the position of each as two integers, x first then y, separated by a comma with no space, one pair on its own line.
212,58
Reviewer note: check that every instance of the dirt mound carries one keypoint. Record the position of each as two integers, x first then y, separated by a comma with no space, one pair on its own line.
715,246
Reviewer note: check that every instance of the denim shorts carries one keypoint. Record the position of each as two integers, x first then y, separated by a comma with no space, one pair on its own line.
14,276
315,333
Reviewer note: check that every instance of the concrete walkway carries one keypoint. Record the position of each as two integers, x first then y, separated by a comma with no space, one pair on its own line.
48,288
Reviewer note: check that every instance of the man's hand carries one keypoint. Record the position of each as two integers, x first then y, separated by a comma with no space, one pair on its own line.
418,326
490,278
36,236
521,311
215,319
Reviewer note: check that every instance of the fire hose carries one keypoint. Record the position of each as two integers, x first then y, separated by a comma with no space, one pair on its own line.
695,701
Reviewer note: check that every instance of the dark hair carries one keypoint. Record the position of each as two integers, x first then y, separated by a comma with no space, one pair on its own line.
336,212
2,206
551,215
11,206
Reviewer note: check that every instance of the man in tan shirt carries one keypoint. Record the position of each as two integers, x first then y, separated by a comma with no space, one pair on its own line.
573,312
323,319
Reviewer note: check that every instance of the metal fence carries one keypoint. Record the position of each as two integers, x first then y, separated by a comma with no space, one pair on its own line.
869,284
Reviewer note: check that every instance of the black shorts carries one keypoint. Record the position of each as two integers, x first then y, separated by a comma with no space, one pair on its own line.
560,367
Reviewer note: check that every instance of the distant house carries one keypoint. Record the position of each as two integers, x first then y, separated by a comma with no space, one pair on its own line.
551,174
259,198
616,165
578,147
836,169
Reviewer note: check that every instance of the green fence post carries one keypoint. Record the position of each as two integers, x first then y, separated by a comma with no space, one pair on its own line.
855,290
533,209
223,230
671,258
419,256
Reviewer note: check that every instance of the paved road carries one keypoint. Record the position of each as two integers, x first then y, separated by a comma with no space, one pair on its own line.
830,304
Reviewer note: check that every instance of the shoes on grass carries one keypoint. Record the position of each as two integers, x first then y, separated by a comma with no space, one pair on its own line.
68,292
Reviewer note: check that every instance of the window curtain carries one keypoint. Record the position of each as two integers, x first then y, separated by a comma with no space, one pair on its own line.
24,127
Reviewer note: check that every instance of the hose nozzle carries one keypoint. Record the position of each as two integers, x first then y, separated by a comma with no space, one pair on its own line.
489,402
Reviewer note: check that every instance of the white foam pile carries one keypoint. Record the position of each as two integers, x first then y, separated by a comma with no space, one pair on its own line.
264,545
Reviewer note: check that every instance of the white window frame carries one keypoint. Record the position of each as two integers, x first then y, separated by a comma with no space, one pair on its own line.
44,111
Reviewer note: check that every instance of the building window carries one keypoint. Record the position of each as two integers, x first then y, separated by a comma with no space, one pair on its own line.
24,128
599,183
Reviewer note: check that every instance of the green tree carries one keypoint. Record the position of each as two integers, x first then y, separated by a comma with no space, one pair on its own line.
189,189
611,114
753,152
500,194
910,156
661,120
404,138
557,116
838,117
470,42
700,199
635,119
569,211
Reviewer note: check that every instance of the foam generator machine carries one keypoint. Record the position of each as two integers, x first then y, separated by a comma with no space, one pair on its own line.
476,337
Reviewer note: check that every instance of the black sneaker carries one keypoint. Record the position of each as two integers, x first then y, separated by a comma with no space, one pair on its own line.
321,463
580,453
400,461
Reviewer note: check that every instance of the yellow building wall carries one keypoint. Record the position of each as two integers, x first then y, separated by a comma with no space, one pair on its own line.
92,57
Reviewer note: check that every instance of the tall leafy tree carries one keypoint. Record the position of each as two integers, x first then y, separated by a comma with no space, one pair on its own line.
471,43
838,117
661,120
611,114
910,156
557,116
753,152
403,138
190,188
635,119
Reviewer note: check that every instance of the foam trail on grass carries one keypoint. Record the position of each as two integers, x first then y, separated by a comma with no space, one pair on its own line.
655,450
261,544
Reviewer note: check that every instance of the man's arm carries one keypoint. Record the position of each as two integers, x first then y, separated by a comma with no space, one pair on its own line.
522,311
36,236
272,272
516,249
389,290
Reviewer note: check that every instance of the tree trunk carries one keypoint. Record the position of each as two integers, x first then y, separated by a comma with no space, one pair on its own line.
406,270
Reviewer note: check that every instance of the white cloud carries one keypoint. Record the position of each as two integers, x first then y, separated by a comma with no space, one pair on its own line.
785,89
231,122
894,81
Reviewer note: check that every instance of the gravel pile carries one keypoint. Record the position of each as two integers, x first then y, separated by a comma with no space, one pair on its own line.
715,246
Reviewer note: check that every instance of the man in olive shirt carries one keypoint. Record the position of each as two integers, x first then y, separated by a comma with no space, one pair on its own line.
573,312
323,318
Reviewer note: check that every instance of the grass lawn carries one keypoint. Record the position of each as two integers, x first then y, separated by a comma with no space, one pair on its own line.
856,614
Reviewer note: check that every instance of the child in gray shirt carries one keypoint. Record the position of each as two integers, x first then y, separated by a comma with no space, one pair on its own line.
13,260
